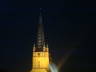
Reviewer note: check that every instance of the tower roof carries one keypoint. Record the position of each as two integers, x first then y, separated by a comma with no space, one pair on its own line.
40,34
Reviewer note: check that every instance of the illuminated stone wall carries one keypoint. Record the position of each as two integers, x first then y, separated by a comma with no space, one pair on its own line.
40,61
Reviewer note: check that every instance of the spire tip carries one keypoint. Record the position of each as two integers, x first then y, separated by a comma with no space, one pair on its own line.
40,8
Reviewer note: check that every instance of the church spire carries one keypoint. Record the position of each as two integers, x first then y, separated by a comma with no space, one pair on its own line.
40,34
40,17
40,56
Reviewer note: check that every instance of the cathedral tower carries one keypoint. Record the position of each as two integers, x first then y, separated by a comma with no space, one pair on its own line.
40,58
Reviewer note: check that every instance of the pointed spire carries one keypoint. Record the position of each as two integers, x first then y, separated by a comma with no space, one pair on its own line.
40,34
34,48
44,47
40,17
47,49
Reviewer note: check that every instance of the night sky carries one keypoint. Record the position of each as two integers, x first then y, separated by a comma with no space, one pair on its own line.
69,28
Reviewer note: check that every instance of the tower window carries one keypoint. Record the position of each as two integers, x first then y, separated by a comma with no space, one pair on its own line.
38,54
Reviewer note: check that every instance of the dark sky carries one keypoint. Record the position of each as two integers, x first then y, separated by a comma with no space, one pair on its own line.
69,26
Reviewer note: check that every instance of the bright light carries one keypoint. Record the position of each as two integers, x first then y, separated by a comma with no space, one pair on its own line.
53,68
